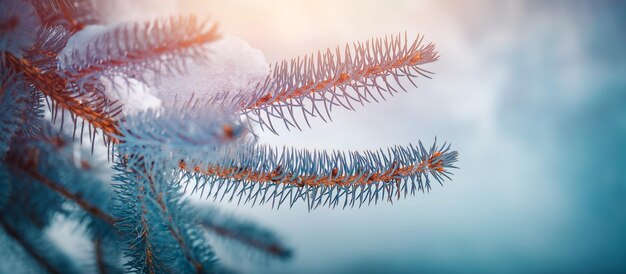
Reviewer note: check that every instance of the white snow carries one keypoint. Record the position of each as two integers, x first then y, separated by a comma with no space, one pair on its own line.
135,95
233,66
78,42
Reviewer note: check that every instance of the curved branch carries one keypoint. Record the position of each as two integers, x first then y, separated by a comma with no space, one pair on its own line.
97,111
29,168
262,173
31,250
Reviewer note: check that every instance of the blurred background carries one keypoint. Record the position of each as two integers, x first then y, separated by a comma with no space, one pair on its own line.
531,93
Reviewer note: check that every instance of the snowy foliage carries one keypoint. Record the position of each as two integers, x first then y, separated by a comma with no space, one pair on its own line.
176,103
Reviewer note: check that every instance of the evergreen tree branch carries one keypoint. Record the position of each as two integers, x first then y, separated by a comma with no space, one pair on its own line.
359,73
5,187
29,167
49,42
156,47
172,228
271,249
102,269
262,174
11,108
149,252
375,58
72,15
106,255
20,109
99,112
159,213
245,233
136,230
186,127
48,161
139,53
28,247
38,207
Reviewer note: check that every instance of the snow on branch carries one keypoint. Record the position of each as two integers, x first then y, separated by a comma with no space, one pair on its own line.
162,46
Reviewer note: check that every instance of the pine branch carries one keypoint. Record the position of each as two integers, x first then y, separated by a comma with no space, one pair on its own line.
28,248
244,233
186,126
106,256
149,264
84,204
158,213
360,73
29,164
138,52
174,230
32,240
102,268
97,110
100,113
38,207
136,229
20,109
262,174
48,160
11,108
31,208
71,15
161,46
5,187
49,42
